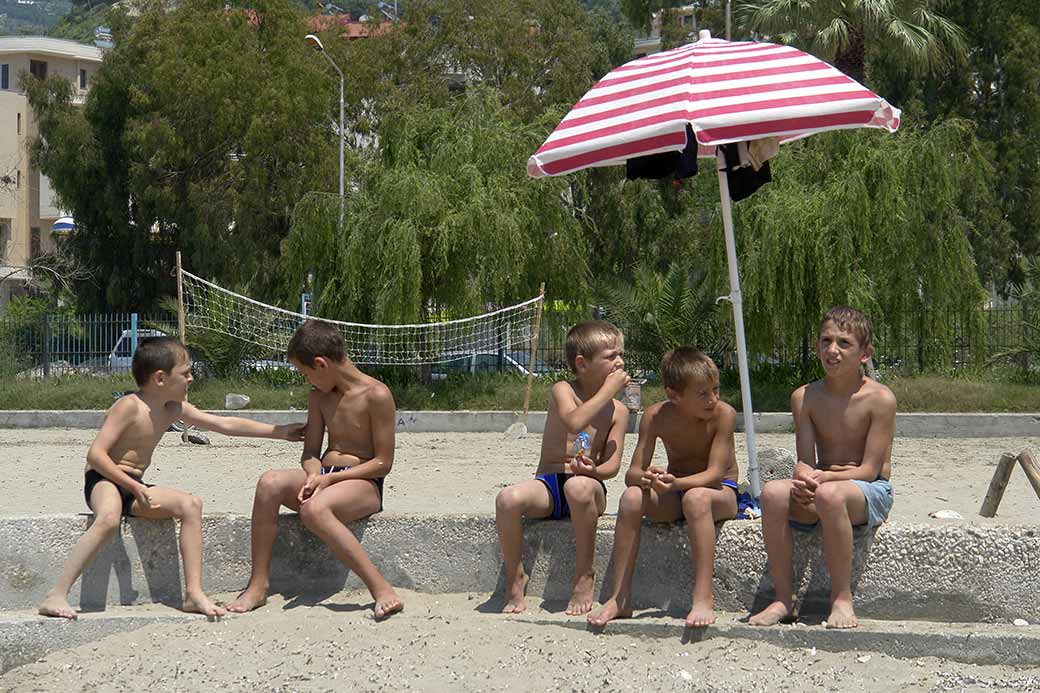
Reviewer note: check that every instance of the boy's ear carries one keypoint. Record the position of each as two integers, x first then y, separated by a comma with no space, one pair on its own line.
868,351
158,378
672,395
579,363
320,362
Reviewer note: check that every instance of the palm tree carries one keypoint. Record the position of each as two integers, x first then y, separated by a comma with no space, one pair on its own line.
841,31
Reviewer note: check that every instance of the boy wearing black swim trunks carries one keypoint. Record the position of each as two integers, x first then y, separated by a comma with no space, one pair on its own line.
121,453
569,484
699,485
341,486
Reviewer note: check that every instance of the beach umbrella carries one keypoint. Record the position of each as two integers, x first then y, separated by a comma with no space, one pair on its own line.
732,101
63,226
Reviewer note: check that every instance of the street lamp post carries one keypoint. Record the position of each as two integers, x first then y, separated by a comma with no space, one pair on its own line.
315,43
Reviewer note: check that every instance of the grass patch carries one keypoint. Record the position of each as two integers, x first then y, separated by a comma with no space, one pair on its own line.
983,392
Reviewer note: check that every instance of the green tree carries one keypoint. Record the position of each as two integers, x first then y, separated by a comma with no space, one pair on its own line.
842,32
443,220
202,129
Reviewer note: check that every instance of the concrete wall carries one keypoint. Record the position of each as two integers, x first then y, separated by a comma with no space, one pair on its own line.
907,425
903,571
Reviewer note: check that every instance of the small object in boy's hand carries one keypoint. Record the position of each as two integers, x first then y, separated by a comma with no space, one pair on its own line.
582,444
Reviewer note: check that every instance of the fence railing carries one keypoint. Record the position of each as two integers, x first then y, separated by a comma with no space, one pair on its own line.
60,344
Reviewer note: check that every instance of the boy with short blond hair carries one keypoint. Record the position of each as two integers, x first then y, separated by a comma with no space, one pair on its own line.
340,486
121,453
700,483
844,427
569,483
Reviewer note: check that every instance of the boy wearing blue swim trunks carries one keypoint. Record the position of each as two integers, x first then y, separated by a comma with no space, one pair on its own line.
568,484
333,489
844,426
699,485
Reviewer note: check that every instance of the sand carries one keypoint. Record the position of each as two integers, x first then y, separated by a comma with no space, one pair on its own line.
446,643
42,471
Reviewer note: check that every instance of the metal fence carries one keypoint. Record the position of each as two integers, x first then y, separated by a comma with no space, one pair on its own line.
913,343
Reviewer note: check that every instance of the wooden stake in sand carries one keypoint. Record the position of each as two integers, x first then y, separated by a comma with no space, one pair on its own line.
519,429
1001,476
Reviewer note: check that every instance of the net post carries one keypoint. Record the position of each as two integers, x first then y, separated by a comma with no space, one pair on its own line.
534,349
180,300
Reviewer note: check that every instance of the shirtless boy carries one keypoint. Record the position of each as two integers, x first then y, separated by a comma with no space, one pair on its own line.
566,484
844,425
121,453
341,486
700,483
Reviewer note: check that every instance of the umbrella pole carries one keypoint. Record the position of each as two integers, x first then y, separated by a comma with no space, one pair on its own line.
738,322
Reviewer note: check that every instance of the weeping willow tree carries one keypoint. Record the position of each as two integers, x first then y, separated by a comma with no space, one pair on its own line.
443,220
876,221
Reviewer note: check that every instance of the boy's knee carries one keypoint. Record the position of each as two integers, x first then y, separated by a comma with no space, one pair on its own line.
191,506
312,513
696,502
829,497
776,494
107,522
581,491
269,486
507,501
631,501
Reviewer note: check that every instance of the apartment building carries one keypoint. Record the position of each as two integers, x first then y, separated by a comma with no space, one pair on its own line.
28,209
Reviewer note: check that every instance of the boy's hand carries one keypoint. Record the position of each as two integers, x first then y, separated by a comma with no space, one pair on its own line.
143,495
292,432
616,381
803,493
310,487
583,465
650,475
664,483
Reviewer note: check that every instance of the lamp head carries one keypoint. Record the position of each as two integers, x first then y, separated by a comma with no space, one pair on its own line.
314,42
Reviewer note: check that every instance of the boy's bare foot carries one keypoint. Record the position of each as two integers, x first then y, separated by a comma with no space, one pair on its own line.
773,614
581,598
516,594
247,601
608,612
200,604
54,605
387,605
702,614
842,615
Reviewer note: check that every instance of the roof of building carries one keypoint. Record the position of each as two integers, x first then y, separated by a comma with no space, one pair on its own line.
49,46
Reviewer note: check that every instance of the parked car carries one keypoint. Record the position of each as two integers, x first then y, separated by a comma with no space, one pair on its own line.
122,354
486,362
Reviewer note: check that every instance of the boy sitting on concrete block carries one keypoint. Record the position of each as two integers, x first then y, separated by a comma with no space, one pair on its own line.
340,486
569,479
700,483
844,426
121,453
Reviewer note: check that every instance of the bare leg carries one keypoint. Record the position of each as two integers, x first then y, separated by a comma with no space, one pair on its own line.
702,507
634,503
107,505
527,499
587,502
274,489
188,509
777,510
840,505
327,513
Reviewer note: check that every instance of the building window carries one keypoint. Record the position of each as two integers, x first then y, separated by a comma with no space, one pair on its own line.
82,79
19,131
38,68
18,181
34,242
4,79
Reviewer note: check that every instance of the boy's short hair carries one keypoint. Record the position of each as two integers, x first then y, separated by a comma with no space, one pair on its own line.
156,354
685,365
853,321
315,338
589,337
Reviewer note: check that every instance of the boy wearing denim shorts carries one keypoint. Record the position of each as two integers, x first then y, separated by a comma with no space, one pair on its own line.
844,425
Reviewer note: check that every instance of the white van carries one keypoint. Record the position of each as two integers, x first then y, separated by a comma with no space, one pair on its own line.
122,354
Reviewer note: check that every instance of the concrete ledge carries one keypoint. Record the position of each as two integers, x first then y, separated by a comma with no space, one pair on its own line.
904,571
907,425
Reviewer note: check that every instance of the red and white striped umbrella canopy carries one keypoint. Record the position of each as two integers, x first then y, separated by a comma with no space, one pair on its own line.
727,91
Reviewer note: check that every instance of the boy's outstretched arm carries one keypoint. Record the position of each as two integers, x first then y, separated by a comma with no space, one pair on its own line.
576,417
644,452
238,426
100,460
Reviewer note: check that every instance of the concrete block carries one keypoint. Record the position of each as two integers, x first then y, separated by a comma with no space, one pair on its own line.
903,571
775,463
